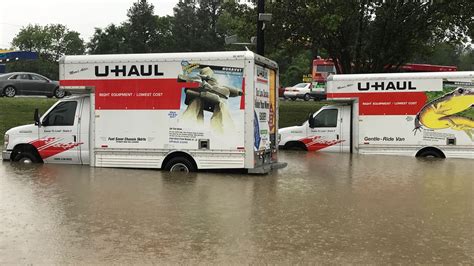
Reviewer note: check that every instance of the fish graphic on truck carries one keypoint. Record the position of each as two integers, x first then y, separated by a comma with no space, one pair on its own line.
442,112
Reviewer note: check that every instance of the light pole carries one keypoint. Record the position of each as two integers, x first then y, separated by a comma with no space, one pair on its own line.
261,19
260,28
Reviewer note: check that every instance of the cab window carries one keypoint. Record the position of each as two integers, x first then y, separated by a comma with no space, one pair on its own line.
62,115
326,118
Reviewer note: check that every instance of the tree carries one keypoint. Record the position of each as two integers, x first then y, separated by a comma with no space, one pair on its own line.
236,19
50,42
195,26
111,40
365,36
164,36
142,26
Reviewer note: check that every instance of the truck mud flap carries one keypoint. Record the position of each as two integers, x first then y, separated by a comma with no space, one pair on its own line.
265,169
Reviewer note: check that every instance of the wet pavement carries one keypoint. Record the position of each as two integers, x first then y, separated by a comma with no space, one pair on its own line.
326,208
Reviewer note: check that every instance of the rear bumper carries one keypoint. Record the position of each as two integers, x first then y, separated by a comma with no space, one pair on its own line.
318,95
266,168
6,155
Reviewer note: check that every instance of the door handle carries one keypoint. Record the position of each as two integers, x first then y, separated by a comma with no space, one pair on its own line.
337,136
74,137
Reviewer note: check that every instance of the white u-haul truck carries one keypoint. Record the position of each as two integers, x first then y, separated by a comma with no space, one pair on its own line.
414,114
179,112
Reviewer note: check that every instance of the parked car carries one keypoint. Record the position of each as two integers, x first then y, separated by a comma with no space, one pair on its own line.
318,93
300,90
24,83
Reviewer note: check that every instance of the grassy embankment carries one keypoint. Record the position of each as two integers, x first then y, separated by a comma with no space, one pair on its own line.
294,113
19,111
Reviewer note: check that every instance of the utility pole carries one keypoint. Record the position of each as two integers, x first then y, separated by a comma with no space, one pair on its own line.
260,28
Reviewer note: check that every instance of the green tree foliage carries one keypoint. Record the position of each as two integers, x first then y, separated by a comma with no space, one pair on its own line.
164,38
195,26
142,27
294,67
365,36
237,19
467,60
111,40
449,54
360,36
50,42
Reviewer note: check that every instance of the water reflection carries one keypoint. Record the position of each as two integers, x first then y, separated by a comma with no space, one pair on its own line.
323,207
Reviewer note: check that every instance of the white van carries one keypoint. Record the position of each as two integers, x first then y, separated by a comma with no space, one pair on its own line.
414,114
178,111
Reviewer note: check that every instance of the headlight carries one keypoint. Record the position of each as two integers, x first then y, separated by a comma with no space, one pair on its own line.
279,138
6,140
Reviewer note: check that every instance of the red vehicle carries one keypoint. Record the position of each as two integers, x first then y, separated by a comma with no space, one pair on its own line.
322,68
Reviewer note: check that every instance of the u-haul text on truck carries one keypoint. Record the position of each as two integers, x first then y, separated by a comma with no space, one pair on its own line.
180,112
415,114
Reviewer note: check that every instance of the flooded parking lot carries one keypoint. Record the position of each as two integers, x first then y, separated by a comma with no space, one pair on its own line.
329,208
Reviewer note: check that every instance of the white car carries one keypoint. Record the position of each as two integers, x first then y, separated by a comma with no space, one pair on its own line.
300,90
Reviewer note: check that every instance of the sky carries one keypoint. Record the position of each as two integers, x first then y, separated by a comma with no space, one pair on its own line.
79,15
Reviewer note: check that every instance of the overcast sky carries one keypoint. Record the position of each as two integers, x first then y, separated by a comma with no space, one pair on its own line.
80,15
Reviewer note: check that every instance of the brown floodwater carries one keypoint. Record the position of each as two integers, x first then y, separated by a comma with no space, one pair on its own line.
327,208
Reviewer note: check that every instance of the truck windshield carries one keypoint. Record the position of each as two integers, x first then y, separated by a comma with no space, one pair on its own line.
326,68
62,115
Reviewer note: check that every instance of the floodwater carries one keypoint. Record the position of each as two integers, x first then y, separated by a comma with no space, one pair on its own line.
326,208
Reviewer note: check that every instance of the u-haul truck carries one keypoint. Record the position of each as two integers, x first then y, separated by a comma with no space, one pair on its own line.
414,114
180,112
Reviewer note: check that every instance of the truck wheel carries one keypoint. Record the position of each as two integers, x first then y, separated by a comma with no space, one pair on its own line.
180,164
295,145
25,158
430,154
9,91
306,97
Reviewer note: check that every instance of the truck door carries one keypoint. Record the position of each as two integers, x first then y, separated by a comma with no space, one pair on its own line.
345,121
58,134
324,131
84,123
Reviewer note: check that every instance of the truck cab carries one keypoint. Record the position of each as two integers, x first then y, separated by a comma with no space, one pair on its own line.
61,135
328,129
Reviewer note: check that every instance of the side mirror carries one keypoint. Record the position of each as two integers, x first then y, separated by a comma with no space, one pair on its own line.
311,121
37,118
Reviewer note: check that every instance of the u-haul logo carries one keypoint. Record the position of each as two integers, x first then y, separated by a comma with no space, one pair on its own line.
385,86
128,71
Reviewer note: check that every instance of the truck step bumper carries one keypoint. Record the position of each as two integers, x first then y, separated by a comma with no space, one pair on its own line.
264,169
6,155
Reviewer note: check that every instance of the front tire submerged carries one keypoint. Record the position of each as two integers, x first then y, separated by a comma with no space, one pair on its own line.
25,158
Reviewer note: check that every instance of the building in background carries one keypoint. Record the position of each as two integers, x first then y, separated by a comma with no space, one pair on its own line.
8,56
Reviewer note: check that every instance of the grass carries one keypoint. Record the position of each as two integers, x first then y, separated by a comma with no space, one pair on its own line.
294,113
19,111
